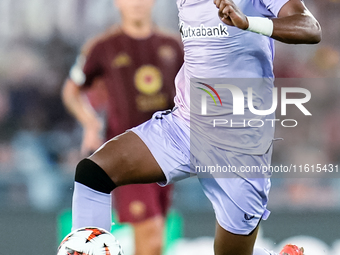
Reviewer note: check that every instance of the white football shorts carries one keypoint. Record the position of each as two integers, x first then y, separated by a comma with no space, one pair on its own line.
238,195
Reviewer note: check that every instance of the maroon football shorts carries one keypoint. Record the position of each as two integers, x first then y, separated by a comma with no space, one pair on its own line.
139,202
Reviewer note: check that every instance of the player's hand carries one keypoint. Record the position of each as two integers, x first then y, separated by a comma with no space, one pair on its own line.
92,140
230,14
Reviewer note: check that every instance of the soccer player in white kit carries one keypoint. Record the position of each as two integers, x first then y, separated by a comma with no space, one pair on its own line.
233,41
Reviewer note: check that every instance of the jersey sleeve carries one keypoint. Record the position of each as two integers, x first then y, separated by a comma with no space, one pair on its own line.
274,6
87,67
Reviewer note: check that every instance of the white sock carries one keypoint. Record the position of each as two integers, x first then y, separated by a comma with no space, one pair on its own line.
263,251
90,208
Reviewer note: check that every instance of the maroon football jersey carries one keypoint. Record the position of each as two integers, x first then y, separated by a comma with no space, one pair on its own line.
138,75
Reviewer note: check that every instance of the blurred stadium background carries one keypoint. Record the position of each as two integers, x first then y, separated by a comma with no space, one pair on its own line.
39,141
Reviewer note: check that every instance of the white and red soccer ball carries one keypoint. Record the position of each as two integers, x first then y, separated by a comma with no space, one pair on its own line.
90,241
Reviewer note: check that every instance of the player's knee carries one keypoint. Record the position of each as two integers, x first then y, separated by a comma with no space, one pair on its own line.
93,176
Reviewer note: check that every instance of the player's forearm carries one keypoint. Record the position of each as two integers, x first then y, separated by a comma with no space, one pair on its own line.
79,107
295,24
297,29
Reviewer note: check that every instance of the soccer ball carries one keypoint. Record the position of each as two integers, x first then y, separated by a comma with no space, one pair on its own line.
90,241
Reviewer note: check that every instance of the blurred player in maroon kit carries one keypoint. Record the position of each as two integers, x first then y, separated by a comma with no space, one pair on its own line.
137,65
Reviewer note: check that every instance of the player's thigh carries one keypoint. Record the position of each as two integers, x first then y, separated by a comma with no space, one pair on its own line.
227,243
126,159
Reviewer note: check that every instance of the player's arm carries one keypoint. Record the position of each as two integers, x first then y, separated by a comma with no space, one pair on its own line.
78,105
295,24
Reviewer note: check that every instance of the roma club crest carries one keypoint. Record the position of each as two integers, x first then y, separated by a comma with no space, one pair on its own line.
148,79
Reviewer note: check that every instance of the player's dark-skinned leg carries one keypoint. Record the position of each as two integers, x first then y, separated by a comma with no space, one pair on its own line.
227,243
127,160
122,160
